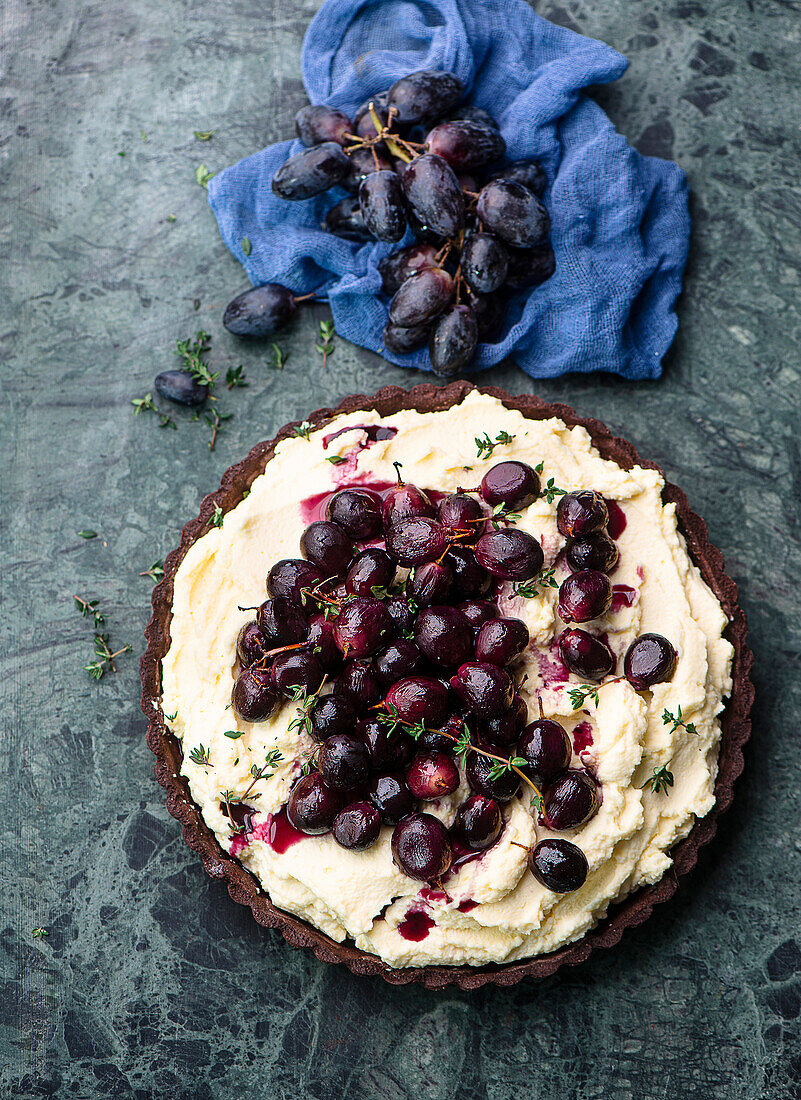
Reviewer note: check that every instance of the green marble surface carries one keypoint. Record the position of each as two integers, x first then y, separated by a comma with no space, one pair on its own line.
151,983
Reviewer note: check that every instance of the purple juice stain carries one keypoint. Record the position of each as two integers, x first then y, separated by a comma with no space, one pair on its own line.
280,833
582,737
467,905
415,926
623,595
617,520
374,432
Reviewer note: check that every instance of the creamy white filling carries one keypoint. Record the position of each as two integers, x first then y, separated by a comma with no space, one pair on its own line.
506,914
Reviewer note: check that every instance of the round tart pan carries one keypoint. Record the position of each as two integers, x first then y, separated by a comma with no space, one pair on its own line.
245,889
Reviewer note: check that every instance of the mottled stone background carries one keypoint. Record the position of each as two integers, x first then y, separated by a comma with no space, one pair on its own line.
151,983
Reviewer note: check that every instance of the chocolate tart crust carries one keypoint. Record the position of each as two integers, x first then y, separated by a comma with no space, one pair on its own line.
243,886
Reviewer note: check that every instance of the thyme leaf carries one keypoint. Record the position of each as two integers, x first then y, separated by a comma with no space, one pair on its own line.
200,755
485,446
659,782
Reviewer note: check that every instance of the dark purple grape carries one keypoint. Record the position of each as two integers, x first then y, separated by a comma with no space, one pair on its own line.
311,171
581,513
453,340
477,612
404,501
359,684
254,697
260,311
381,202
345,220
500,641
510,554
429,583
469,578
363,122
460,512
312,805
592,552
465,144
357,826
372,569
362,165
403,340
357,512
506,729
530,266
251,645
513,213
327,546
479,822
290,576
397,661
649,660
570,801
433,193
401,613
416,540
396,268
421,847
486,689
584,596
361,626
344,762
432,740
528,172
515,485
489,311
331,714
585,655
479,772
559,865
321,639
421,298
316,123
391,797
421,95
484,263
418,699
473,114
388,749
296,669
182,387
546,748
444,635
282,622
432,775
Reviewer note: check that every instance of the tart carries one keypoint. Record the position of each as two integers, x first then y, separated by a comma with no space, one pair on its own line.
419,798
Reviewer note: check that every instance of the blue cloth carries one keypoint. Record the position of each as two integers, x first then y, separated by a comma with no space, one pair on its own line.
620,223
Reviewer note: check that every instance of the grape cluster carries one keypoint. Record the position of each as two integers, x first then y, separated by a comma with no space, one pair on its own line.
411,158
404,670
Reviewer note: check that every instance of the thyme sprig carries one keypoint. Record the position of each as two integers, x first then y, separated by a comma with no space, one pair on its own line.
105,661
192,353
551,491
579,695
236,377
201,755
306,700
530,589
38,933
217,516
266,771
659,782
464,744
303,430
502,518
146,404
155,572
675,721
326,340
215,420
90,607
485,446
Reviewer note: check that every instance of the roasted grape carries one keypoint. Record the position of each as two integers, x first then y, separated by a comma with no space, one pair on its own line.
465,143
483,778
570,801
510,554
361,626
460,512
484,262
260,311
381,202
421,298
344,762
513,213
584,596
479,822
357,826
581,513
357,512
327,546
372,569
316,123
500,641
433,193
391,797
416,540
418,699
312,805
515,485
453,340
444,635
592,552
397,661
429,583
296,669
311,171
282,622
358,683
432,775
546,748
424,94
559,865
649,660
404,501
293,578
585,655
254,697
331,714
421,847
486,689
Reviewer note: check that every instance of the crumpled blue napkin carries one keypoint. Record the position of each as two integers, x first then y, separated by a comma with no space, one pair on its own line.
620,222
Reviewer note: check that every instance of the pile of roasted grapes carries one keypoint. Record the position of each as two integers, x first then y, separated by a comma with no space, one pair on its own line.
388,636
412,159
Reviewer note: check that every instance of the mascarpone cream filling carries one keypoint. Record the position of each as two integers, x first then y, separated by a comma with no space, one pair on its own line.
494,911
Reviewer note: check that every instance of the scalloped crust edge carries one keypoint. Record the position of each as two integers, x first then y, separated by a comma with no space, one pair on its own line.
245,889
